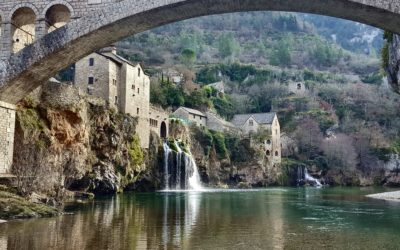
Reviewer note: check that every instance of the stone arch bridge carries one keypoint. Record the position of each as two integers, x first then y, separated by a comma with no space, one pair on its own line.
41,37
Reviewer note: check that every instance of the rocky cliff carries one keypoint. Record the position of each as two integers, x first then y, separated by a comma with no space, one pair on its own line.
66,140
226,160
391,60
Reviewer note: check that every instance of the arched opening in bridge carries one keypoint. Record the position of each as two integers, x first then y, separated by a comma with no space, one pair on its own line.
22,28
57,16
163,130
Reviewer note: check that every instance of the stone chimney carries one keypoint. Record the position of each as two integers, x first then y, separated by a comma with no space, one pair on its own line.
110,49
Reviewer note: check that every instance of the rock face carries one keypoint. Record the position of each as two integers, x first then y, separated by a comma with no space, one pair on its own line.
253,170
393,64
65,140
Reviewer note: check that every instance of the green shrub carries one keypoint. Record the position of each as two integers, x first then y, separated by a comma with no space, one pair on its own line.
135,151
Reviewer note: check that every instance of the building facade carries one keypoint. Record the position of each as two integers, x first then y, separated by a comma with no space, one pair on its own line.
122,84
191,116
268,122
159,121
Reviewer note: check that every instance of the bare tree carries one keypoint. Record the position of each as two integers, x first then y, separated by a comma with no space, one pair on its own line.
340,152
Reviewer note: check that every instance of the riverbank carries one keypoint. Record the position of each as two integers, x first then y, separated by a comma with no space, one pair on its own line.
388,196
13,206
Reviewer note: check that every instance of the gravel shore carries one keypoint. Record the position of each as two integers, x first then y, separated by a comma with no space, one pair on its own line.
389,196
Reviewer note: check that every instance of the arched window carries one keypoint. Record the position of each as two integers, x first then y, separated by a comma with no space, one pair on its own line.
276,153
163,130
22,28
268,142
268,153
57,16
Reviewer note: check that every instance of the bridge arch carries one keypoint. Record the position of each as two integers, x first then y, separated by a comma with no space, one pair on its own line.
23,25
56,16
35,64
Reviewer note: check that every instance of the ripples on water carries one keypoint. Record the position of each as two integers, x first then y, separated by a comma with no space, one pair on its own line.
303,218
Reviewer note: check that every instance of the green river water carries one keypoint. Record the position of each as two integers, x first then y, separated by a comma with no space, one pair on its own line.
276,218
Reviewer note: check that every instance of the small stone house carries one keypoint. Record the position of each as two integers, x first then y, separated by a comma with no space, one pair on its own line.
217,123
252,123
219,86
123,85
297,88
191,116
159,121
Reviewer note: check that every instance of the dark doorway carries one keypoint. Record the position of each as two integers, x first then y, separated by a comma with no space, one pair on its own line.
163,130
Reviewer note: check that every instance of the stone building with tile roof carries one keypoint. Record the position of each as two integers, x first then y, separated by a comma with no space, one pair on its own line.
123,85
268,122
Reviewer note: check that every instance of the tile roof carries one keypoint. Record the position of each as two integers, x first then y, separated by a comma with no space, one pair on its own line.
260,118
193,111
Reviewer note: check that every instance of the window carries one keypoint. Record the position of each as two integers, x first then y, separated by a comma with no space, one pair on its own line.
251,123
276,153
91,80
299,86
116,100
114,81
133,87
139,72
268,142
91,61
138,90
268,153
137,111
194,117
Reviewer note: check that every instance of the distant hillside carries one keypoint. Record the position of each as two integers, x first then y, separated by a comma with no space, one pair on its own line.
280,39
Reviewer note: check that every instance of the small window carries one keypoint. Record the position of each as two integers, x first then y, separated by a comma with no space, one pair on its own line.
138,90
90,80
133,87
91,61
299,86
194,117
114,81
116,100
268,153
137,111
276,153
251,123
268,142
139,72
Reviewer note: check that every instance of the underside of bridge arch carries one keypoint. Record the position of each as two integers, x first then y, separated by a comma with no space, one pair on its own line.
22,28
57,16
35,64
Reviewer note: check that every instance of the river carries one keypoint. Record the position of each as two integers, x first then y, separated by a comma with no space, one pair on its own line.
276,218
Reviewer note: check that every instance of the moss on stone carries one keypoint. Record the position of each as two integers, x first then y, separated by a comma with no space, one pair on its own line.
136,153
13,206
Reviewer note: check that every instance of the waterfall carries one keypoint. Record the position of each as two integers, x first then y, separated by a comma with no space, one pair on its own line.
167,152
179,172
304,177
309,178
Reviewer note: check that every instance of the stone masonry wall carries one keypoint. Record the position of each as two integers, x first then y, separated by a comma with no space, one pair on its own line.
7,128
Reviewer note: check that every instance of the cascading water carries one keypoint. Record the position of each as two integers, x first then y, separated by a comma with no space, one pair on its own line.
167,152
304,177
311,179
180,172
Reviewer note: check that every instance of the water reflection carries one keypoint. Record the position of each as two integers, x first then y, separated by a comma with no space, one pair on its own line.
263,219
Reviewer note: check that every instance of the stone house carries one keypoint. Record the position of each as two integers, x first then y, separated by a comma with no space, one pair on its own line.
191,116
297,88
219,86
159,121
219,124
253,123
122,84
